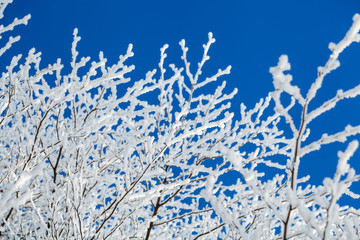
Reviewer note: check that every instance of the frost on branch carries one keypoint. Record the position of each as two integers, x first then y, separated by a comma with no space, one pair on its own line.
10,27
286,206
84,158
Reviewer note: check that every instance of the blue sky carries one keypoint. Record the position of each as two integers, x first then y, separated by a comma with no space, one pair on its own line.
251,35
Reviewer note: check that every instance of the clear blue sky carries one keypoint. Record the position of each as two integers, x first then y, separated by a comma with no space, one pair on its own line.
250,35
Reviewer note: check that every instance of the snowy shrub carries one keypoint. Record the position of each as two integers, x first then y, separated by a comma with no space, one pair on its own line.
93,154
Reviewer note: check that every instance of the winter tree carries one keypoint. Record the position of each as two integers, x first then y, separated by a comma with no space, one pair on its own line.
83,157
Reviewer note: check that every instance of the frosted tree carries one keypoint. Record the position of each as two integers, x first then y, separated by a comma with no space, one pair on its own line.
82,157
286,206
